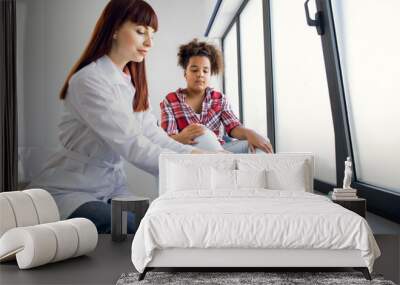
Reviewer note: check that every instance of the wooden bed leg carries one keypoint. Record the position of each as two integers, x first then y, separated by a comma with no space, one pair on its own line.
143,274
364,271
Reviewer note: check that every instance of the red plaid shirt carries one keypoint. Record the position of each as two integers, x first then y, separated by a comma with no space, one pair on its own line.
176,114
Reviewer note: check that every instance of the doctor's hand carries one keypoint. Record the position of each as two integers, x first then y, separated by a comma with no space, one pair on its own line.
188,134
256,141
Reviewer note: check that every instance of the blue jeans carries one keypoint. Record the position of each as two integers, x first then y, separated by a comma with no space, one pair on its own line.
100,214
237,146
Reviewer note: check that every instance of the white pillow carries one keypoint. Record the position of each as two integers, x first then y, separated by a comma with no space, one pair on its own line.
251,178
291,178
223,179
226,179
188,177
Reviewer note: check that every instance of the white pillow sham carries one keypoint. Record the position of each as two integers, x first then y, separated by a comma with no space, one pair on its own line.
293,178
195,175
223,179
280,175
183,177
251,178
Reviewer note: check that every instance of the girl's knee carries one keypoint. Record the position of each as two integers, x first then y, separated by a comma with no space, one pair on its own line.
208,141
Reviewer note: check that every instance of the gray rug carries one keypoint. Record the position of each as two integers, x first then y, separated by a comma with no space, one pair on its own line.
243,278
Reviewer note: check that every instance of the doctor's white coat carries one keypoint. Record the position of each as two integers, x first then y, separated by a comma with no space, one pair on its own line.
99,128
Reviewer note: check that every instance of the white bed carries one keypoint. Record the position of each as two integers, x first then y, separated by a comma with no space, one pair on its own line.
232,211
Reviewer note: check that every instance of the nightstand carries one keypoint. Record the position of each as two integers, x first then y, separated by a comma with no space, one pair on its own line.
119,214
357,205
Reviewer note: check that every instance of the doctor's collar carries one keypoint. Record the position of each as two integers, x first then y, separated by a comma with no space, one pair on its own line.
116,75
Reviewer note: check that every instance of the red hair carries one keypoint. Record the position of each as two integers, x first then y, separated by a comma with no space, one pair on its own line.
113,16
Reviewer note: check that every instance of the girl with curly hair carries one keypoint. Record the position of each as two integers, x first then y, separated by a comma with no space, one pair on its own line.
193,115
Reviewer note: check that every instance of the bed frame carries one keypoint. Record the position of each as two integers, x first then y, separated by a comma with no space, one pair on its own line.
245,259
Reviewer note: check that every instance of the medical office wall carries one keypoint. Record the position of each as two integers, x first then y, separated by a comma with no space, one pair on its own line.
51,35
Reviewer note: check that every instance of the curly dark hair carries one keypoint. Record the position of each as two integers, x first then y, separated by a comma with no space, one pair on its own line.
196,48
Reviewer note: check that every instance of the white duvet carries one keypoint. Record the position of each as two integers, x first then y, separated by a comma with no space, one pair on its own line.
252,218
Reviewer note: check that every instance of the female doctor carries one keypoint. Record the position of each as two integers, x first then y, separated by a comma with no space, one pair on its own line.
107,117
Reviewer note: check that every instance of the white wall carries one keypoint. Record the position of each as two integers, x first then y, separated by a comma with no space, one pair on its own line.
51,36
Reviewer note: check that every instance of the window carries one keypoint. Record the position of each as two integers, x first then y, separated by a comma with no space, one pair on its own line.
370,61
253,67
231,77
303,120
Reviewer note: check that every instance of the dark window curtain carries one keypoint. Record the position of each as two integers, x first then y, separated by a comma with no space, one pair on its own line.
8,98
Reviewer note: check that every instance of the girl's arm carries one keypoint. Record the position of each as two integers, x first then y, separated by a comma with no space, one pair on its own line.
236,130
168,123
254,140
